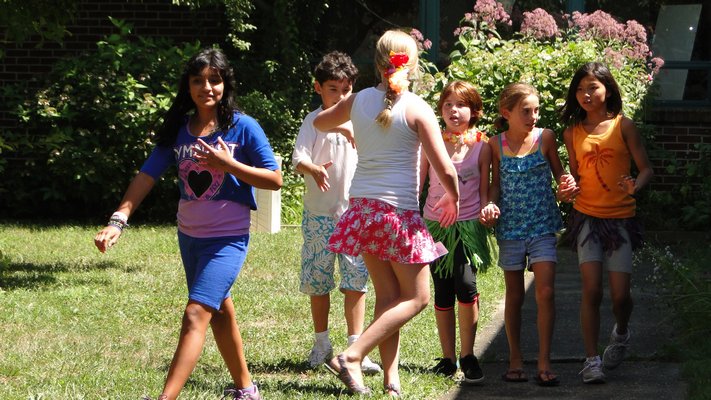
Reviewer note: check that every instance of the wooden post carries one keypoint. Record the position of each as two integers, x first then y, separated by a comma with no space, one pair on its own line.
267,217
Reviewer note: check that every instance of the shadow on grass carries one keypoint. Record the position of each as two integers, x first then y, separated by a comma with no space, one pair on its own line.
36,276
279,377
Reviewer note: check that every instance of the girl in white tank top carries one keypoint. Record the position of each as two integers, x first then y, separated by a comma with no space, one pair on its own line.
382,223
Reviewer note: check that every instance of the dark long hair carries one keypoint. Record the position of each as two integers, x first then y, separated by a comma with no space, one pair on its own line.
183,103
571,113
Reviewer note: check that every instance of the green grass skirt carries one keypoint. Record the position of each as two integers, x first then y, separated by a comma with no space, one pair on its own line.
476,239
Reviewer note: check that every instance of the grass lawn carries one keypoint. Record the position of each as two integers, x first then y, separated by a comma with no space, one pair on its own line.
77,324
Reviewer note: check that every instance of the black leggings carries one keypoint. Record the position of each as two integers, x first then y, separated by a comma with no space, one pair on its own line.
460,285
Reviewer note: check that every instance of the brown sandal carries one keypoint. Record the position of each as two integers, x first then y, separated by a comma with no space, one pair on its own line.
514,375
547,378
342,373
392,390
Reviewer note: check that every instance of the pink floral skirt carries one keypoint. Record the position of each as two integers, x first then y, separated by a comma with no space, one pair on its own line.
387,232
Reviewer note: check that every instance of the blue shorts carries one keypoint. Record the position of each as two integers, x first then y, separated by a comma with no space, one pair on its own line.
318,263
211,266
515,255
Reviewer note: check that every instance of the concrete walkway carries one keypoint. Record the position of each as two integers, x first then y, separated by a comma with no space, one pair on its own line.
643,374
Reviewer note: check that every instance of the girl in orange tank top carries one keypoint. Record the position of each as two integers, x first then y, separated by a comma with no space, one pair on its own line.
602,227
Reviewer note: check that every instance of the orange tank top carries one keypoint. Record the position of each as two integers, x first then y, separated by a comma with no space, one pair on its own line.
602,160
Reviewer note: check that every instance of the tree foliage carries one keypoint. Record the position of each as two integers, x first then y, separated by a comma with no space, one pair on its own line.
84,134
237,13
47,19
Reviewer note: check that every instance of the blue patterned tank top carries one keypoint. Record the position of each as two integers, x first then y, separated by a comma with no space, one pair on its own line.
527,203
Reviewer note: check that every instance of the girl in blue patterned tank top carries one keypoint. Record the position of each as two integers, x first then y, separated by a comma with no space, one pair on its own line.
524,209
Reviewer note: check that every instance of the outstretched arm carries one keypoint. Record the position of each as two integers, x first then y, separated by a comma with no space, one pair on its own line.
335,116
137,190
424,170
422,119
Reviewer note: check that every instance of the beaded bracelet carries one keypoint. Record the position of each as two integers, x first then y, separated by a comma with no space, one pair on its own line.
117,224
119,220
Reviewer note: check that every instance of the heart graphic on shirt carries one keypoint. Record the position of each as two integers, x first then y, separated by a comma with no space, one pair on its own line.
199,182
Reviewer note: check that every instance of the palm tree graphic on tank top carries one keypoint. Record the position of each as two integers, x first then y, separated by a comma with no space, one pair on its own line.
598,158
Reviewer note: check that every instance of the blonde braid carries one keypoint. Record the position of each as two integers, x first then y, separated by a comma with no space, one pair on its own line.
396,58
385,117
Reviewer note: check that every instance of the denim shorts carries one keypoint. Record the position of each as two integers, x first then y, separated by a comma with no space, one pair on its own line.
515,255
211,266
318,262
620,260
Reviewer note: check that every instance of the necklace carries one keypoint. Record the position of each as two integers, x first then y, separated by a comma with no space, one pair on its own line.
205,130
469,137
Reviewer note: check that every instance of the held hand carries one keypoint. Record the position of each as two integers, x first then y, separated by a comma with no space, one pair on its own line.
215,157
489,215
320,175
567,189
627,183
106,238
449,210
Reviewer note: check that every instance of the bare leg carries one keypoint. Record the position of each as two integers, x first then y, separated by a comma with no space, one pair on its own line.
229,342
622,303
446,329
196,318
320,306
468,321
515,291
591,277
401,292
354,311
544,273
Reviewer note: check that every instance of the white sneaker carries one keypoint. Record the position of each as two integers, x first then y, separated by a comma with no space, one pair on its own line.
369,368
592,371
320,354
615,351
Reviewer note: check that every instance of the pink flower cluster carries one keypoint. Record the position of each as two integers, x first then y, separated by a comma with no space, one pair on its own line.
601,25
422,43
539,24
489,11
655,64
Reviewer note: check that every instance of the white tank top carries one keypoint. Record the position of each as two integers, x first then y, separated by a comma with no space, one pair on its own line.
388,159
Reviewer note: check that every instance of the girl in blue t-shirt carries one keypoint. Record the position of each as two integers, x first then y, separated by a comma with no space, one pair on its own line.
221,154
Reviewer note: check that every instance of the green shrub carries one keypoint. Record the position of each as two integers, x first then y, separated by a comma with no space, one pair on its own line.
490,55
545,56
84,134
691,194
683,282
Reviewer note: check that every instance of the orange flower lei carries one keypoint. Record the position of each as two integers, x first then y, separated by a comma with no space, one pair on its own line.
397,73
469,137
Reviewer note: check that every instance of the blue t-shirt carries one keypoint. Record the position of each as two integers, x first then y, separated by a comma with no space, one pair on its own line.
200,183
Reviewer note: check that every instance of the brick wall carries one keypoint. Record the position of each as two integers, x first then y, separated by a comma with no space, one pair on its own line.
677,130
151,18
